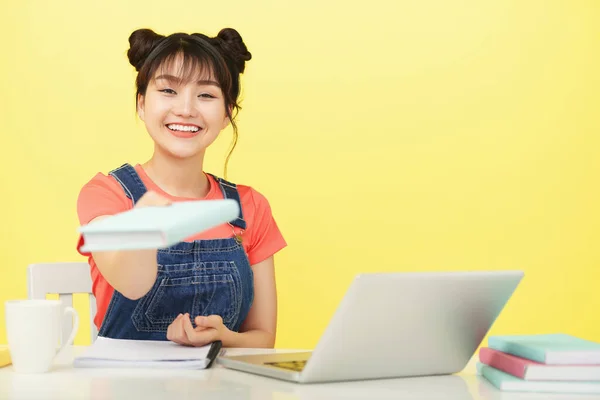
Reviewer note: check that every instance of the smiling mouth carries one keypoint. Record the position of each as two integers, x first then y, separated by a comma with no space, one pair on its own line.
183,128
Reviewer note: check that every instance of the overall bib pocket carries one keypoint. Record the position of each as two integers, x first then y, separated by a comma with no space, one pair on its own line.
196,288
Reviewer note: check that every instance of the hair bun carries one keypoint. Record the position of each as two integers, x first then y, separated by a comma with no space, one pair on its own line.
141,43
232,46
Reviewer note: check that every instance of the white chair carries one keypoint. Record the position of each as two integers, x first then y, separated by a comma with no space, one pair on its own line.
64,279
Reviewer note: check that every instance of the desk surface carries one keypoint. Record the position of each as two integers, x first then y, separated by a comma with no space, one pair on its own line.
64,382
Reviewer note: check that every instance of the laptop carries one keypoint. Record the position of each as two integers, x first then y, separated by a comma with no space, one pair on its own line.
391,325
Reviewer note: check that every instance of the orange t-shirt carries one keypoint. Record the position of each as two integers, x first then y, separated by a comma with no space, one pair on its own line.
103,195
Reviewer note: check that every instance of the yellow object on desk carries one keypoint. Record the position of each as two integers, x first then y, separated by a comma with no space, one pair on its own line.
4,357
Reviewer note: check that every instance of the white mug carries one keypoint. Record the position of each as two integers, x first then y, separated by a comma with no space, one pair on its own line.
34,329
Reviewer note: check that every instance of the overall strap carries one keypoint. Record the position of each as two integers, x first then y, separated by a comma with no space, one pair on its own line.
131,182
230,191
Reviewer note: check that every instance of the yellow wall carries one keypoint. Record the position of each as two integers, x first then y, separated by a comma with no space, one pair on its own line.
388,136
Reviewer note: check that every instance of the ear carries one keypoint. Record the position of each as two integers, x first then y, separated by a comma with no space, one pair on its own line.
140,106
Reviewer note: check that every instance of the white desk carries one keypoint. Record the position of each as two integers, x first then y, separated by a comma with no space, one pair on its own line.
64,382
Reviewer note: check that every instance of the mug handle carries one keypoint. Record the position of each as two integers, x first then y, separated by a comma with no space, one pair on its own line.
70,311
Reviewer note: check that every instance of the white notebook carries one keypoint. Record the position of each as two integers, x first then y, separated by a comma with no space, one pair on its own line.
127,353
156,227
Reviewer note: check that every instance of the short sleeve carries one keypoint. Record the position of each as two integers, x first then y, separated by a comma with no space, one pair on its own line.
102,195
266,238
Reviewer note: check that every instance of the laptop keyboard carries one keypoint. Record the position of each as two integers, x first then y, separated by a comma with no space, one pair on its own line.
291,365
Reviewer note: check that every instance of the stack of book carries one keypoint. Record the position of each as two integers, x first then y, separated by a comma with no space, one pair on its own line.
553,363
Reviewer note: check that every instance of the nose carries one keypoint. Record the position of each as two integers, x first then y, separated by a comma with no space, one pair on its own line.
186,107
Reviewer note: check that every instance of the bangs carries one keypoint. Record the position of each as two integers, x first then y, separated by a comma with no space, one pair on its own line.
188,59
187,67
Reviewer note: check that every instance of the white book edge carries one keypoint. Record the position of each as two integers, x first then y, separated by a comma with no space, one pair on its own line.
515,384
123,241
130,353
103,363
562,373
581,357
550,386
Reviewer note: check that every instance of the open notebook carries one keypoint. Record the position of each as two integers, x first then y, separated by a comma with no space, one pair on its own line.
126,353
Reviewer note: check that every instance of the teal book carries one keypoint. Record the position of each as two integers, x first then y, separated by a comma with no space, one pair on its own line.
156,227
555,349
510,383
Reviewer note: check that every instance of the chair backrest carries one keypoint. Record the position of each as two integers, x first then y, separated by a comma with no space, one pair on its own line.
64,279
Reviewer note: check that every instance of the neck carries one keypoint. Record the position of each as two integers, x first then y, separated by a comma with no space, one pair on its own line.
180,177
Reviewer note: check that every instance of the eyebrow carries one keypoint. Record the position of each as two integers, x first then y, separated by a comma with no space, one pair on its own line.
176,79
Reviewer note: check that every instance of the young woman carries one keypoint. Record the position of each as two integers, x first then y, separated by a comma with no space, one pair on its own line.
217,285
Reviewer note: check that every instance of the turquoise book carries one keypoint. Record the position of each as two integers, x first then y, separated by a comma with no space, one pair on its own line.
156,227
555,349
509,383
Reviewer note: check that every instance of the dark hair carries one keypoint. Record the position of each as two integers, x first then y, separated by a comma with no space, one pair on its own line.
223,57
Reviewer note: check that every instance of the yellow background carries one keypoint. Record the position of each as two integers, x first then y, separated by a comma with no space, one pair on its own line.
387,136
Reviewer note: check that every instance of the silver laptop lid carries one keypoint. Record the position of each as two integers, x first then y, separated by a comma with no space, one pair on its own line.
409,324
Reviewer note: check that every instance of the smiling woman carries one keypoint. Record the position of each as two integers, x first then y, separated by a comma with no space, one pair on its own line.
193,77
216,285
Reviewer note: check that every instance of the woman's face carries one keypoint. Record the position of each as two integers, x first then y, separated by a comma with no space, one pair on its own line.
182,117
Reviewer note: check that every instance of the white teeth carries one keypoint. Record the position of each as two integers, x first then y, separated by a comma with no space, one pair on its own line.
183,128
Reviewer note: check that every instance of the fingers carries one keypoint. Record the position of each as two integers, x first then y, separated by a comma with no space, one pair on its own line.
176,332
212,321
199,336
207,330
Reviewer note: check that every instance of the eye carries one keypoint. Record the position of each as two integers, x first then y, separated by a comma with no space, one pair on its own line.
207,96
168,91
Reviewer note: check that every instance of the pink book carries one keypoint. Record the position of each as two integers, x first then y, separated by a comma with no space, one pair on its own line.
535,371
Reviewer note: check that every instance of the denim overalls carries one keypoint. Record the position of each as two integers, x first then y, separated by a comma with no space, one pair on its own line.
202,277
